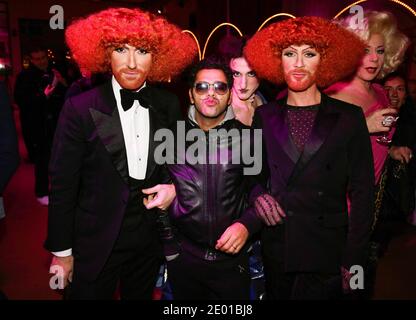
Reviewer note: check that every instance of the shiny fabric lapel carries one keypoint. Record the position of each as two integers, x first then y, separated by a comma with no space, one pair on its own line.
282,134
285,151
107,121
151,164
325,121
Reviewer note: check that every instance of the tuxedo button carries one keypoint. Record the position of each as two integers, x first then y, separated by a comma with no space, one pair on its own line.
290,213
320,193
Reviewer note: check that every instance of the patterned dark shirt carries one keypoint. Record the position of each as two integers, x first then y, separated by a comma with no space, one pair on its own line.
300,121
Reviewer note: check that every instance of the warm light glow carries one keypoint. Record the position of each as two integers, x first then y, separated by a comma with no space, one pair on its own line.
215,29
275,16
201,56
196,40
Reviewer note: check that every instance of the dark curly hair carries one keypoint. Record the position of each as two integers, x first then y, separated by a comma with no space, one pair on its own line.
212,62
340,50
92,39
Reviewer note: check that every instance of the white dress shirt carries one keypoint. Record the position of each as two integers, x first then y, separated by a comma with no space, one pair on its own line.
136,131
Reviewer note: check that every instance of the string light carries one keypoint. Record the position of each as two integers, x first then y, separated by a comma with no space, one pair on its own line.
275,16
346,8
405,6
196,40
215,29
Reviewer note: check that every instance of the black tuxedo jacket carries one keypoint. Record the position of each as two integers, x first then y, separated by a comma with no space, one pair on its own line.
318,235
89,173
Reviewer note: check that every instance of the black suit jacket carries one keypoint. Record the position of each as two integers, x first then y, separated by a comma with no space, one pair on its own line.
89,173
318,235
9,155
405,134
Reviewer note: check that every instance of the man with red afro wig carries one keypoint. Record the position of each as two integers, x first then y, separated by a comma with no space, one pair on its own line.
101,227
318,151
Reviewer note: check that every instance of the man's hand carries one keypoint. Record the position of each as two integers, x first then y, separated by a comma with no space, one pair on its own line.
58,78
160,196
402,154
49,90
269,210
233,238
66,264
375,120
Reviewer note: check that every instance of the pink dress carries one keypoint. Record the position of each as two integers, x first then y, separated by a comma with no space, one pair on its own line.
380,151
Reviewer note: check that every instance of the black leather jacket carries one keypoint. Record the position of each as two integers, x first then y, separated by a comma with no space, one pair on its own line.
211,197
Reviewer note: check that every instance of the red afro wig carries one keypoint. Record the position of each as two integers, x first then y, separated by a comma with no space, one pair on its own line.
340,50
92,39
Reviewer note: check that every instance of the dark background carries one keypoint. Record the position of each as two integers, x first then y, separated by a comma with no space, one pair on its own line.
27,22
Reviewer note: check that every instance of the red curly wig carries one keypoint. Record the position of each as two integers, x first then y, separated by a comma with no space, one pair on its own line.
92,39
340,50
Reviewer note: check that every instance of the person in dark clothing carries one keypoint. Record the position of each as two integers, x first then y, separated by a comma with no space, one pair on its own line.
399,185
87,81
9,154
318,154
101,229
211,220
39,93
404,139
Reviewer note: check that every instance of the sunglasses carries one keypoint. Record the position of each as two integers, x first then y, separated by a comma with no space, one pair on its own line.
203,87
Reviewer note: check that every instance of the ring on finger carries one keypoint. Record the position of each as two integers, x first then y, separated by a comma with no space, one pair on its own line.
388,121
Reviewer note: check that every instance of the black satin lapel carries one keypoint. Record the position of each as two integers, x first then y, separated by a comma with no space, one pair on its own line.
153,127
281,132
285,150
111,134
324,123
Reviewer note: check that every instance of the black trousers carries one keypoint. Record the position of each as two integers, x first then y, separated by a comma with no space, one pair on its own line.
282,285
29,132
41,157
133,266
41,152
133,263
192,278
135,273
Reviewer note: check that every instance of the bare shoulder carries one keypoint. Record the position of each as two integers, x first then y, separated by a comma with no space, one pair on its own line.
343,95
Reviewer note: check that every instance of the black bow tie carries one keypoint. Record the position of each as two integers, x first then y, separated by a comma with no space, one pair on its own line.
128,97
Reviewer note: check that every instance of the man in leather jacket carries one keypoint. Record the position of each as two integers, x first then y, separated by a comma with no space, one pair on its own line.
209,215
